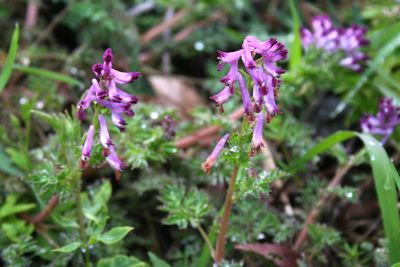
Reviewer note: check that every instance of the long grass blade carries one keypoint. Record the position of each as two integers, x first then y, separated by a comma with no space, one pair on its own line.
12,53
51,75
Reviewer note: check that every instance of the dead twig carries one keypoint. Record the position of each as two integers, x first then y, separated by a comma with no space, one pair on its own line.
197,137
340,173
160,28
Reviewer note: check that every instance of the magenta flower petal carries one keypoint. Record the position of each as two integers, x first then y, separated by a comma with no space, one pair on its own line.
105,139
118,121
87,147
115,163
124,77
207,165
223,96
385,122
257,140
245,96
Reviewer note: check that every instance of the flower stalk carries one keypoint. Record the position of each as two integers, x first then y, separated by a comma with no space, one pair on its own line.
220,247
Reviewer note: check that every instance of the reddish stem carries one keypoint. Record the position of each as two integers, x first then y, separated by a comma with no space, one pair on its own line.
220,247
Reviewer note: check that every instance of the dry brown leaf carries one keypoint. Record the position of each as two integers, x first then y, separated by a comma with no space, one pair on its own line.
175,92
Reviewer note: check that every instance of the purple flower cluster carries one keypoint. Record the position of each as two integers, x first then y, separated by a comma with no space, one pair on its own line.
327,37
259,59
105,93
384,123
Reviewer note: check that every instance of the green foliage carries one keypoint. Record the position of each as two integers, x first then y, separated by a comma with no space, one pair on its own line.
121,261
156,261
253,221
322,236
10,207
150,143
69,248
183,208
114,235
255,186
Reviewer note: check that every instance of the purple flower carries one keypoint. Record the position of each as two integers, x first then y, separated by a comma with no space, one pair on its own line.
207,165
223,96
384,123
257,140
87,147
327,37
263,73
104,92
324,35
105,139
115,163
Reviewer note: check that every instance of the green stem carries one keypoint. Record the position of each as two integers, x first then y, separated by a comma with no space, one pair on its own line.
220,247
81,222
207,240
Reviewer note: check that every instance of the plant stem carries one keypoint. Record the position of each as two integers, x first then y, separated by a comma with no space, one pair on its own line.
220,247
81,222
207,240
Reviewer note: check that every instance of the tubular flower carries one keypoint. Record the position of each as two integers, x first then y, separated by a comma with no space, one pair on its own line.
384,123
327,37
259,59
105,93
87,147
207,165
257,140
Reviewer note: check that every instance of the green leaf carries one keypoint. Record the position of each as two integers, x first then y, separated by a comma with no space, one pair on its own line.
396,264
11,207
114,235
7,167
51,75
183,208
121,261
295,51
156,261
12,52
69,248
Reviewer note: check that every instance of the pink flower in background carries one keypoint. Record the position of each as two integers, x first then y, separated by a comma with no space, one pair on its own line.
324,35
384,123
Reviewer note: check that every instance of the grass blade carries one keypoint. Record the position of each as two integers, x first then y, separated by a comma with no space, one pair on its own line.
12,53
48,74
385,176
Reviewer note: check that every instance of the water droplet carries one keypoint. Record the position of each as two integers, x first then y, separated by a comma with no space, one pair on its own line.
23,100
199,46
39,104
153,115
73,71
260,236
349,194
372,158
25,61
83,250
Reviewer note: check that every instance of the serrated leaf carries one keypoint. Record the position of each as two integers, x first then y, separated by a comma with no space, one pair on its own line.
69,248
115,234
